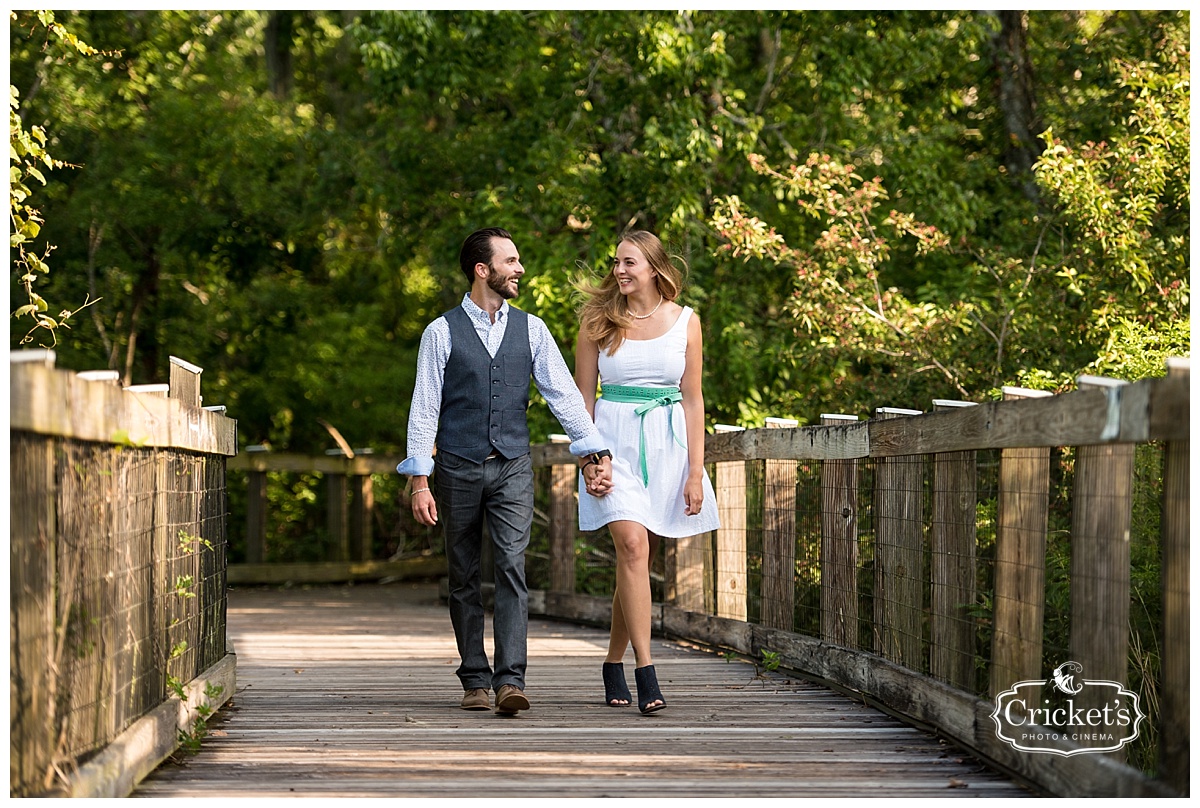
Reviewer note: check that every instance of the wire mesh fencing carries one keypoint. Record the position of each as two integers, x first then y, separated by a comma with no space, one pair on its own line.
978,568
118,596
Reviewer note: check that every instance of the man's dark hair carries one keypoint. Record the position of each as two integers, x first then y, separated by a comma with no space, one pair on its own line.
477,249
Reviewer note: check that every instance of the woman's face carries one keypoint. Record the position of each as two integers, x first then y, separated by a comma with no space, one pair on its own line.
632,271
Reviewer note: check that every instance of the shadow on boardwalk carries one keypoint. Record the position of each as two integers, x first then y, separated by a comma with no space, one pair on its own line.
350,691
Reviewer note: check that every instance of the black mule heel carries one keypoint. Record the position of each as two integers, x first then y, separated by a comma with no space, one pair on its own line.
647,687
615,688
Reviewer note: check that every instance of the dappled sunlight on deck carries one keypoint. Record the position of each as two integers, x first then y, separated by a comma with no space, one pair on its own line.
374,712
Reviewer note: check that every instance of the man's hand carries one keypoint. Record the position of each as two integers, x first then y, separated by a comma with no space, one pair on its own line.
597,477
424,507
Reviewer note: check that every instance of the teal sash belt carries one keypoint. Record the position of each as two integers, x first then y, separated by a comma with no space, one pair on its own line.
648,398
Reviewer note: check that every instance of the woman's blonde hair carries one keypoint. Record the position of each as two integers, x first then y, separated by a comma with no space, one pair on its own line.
604,316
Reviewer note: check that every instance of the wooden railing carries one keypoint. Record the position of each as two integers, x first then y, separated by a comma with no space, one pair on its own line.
117,574
895,518
349,516
905,558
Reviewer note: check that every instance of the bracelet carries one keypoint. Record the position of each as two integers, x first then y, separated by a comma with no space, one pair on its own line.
419,491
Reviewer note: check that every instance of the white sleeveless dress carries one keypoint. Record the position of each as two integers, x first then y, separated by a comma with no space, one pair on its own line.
659,504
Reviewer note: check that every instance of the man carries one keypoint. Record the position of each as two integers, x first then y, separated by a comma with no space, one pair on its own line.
472,390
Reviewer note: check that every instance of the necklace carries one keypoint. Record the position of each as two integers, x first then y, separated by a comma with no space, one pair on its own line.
651,312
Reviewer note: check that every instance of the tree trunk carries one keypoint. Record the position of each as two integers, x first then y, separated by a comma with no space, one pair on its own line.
144,352
278,46
1016,98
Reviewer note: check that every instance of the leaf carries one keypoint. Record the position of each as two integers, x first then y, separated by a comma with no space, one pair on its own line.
23,310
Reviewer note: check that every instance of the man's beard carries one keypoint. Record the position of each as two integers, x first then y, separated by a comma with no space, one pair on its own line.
500,285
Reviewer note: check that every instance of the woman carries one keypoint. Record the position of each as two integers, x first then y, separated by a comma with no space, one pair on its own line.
646,352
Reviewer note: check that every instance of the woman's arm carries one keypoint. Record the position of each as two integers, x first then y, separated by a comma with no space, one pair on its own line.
693,414
587,371
587,374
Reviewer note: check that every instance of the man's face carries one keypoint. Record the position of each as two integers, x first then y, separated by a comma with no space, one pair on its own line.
505,271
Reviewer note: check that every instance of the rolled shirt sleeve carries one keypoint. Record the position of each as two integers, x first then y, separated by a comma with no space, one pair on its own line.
423,414
556,384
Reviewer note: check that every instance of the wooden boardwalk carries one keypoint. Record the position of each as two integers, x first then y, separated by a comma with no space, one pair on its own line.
351,692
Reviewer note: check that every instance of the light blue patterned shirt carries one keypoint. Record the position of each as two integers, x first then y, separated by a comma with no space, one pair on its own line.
550,374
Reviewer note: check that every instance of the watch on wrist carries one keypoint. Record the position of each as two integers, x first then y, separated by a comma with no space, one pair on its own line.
596,457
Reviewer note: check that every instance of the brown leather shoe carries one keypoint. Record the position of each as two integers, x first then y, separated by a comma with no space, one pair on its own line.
476,699
510,699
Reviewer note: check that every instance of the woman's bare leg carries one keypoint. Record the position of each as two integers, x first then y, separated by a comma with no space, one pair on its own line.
632,542
618,637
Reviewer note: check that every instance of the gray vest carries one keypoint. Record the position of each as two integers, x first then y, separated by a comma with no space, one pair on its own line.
484,398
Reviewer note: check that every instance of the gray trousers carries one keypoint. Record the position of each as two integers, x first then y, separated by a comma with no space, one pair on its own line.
500,491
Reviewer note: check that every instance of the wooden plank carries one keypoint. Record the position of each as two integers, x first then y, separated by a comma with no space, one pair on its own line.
55,402
1020,568
1102,503
958,715
587,609
1168,408
564,521
952,571
839,441
362,517
325,464
137,751
184,382
350,691
1176,557
32,564
1151,409
899,538
687,559
336,571
731,536
337,517
256,517
779,538
839,546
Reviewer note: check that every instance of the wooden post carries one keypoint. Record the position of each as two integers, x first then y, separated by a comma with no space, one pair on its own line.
952,564
1100,525
564,522
362,512
731,537
32,564
1020,590
1175,730
899,535
779,538
256,511
155,390
684,571
106,376
839,546
338,517
185,382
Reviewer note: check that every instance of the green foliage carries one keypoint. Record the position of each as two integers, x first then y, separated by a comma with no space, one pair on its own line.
294,233
28,157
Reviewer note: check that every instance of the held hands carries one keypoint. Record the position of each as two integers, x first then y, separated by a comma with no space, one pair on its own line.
597,477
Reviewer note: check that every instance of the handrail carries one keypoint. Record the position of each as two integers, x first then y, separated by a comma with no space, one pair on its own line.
117,545
1100,420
